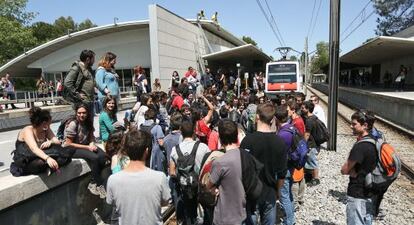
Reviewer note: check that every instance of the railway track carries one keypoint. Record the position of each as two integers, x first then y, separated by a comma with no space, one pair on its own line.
383,125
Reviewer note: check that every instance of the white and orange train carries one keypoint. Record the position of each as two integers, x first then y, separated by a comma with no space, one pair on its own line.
283,77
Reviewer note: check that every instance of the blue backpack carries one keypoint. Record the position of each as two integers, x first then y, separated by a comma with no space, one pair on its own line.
298,151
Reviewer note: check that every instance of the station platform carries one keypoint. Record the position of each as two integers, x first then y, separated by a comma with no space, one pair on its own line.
395,108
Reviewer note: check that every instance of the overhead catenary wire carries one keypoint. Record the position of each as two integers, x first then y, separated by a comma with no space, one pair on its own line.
269,22
363,21
310,22
315,20
274,22
356,17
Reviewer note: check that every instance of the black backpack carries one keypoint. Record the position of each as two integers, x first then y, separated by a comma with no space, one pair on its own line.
186,175
320,133
60,134
251,168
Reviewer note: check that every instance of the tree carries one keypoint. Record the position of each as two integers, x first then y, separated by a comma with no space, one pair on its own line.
86,24
44,32
14,38
63,24
293,58
15,10
321,59
249,40
395,16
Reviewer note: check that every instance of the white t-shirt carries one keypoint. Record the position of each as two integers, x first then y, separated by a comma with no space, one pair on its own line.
318,112
139,117
186,147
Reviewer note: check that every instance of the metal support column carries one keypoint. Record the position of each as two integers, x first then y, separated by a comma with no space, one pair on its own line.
333,71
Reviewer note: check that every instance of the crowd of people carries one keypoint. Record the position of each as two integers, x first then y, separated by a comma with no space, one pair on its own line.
188,148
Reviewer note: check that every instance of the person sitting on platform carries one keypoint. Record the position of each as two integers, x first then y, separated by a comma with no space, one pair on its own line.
79,135
37,148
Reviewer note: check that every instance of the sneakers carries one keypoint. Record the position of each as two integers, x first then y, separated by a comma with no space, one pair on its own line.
97,190
314,182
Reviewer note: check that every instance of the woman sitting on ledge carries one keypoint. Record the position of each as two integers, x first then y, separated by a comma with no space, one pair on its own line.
37,148
79,135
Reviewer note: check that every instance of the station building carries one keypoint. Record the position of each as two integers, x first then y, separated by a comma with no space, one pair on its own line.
162,44
380,55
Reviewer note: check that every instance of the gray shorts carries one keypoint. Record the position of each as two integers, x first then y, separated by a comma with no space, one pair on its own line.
312,161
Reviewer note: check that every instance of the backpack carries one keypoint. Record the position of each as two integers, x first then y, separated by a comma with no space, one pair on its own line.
69,95
60,134
251,168
205,196
186,175
298,151
320,133
251,118
147,129
387,168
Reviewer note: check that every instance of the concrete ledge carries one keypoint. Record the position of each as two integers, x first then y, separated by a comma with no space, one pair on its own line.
19,117
396,110
14,190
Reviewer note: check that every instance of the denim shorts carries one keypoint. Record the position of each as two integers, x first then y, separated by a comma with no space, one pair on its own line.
312,161
359,211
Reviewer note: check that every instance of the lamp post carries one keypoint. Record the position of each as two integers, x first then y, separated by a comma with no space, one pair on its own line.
69,30
116,20
238,82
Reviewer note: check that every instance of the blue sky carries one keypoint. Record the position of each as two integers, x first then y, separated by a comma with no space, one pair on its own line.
242,17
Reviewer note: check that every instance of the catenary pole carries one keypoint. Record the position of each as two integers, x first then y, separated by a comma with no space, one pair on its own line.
333,71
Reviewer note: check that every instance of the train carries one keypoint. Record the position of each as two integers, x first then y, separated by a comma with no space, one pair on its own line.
283,77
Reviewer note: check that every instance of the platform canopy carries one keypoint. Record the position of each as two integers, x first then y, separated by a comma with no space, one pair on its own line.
378,50
243,52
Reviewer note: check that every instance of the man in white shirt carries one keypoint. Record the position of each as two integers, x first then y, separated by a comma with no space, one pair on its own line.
318,111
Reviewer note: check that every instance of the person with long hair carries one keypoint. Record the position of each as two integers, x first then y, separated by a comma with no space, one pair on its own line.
107,119
106,78
42,89
37,147
156,85
140,81
146,101
79,135
175,79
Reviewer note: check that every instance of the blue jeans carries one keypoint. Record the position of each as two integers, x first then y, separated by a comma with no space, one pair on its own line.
286,200
359,211
312,160
267,212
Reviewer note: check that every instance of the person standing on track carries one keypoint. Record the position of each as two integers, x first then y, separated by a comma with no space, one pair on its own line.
361,160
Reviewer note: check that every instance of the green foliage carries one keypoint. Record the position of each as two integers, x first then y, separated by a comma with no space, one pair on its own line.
86,24
14,38
321,59
15,10
25,84
394,16
63,24
293,58
249,40
44,32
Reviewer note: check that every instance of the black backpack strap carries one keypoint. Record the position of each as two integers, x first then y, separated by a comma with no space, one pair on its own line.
179,152
195,147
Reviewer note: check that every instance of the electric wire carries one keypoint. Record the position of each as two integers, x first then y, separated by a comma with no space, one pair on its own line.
310,22
274,22
316,20
269,22
356,17
363,21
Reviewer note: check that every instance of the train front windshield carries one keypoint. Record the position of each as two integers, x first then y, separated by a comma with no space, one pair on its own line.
282,73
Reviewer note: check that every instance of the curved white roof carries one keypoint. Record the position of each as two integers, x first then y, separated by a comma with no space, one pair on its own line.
19,64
